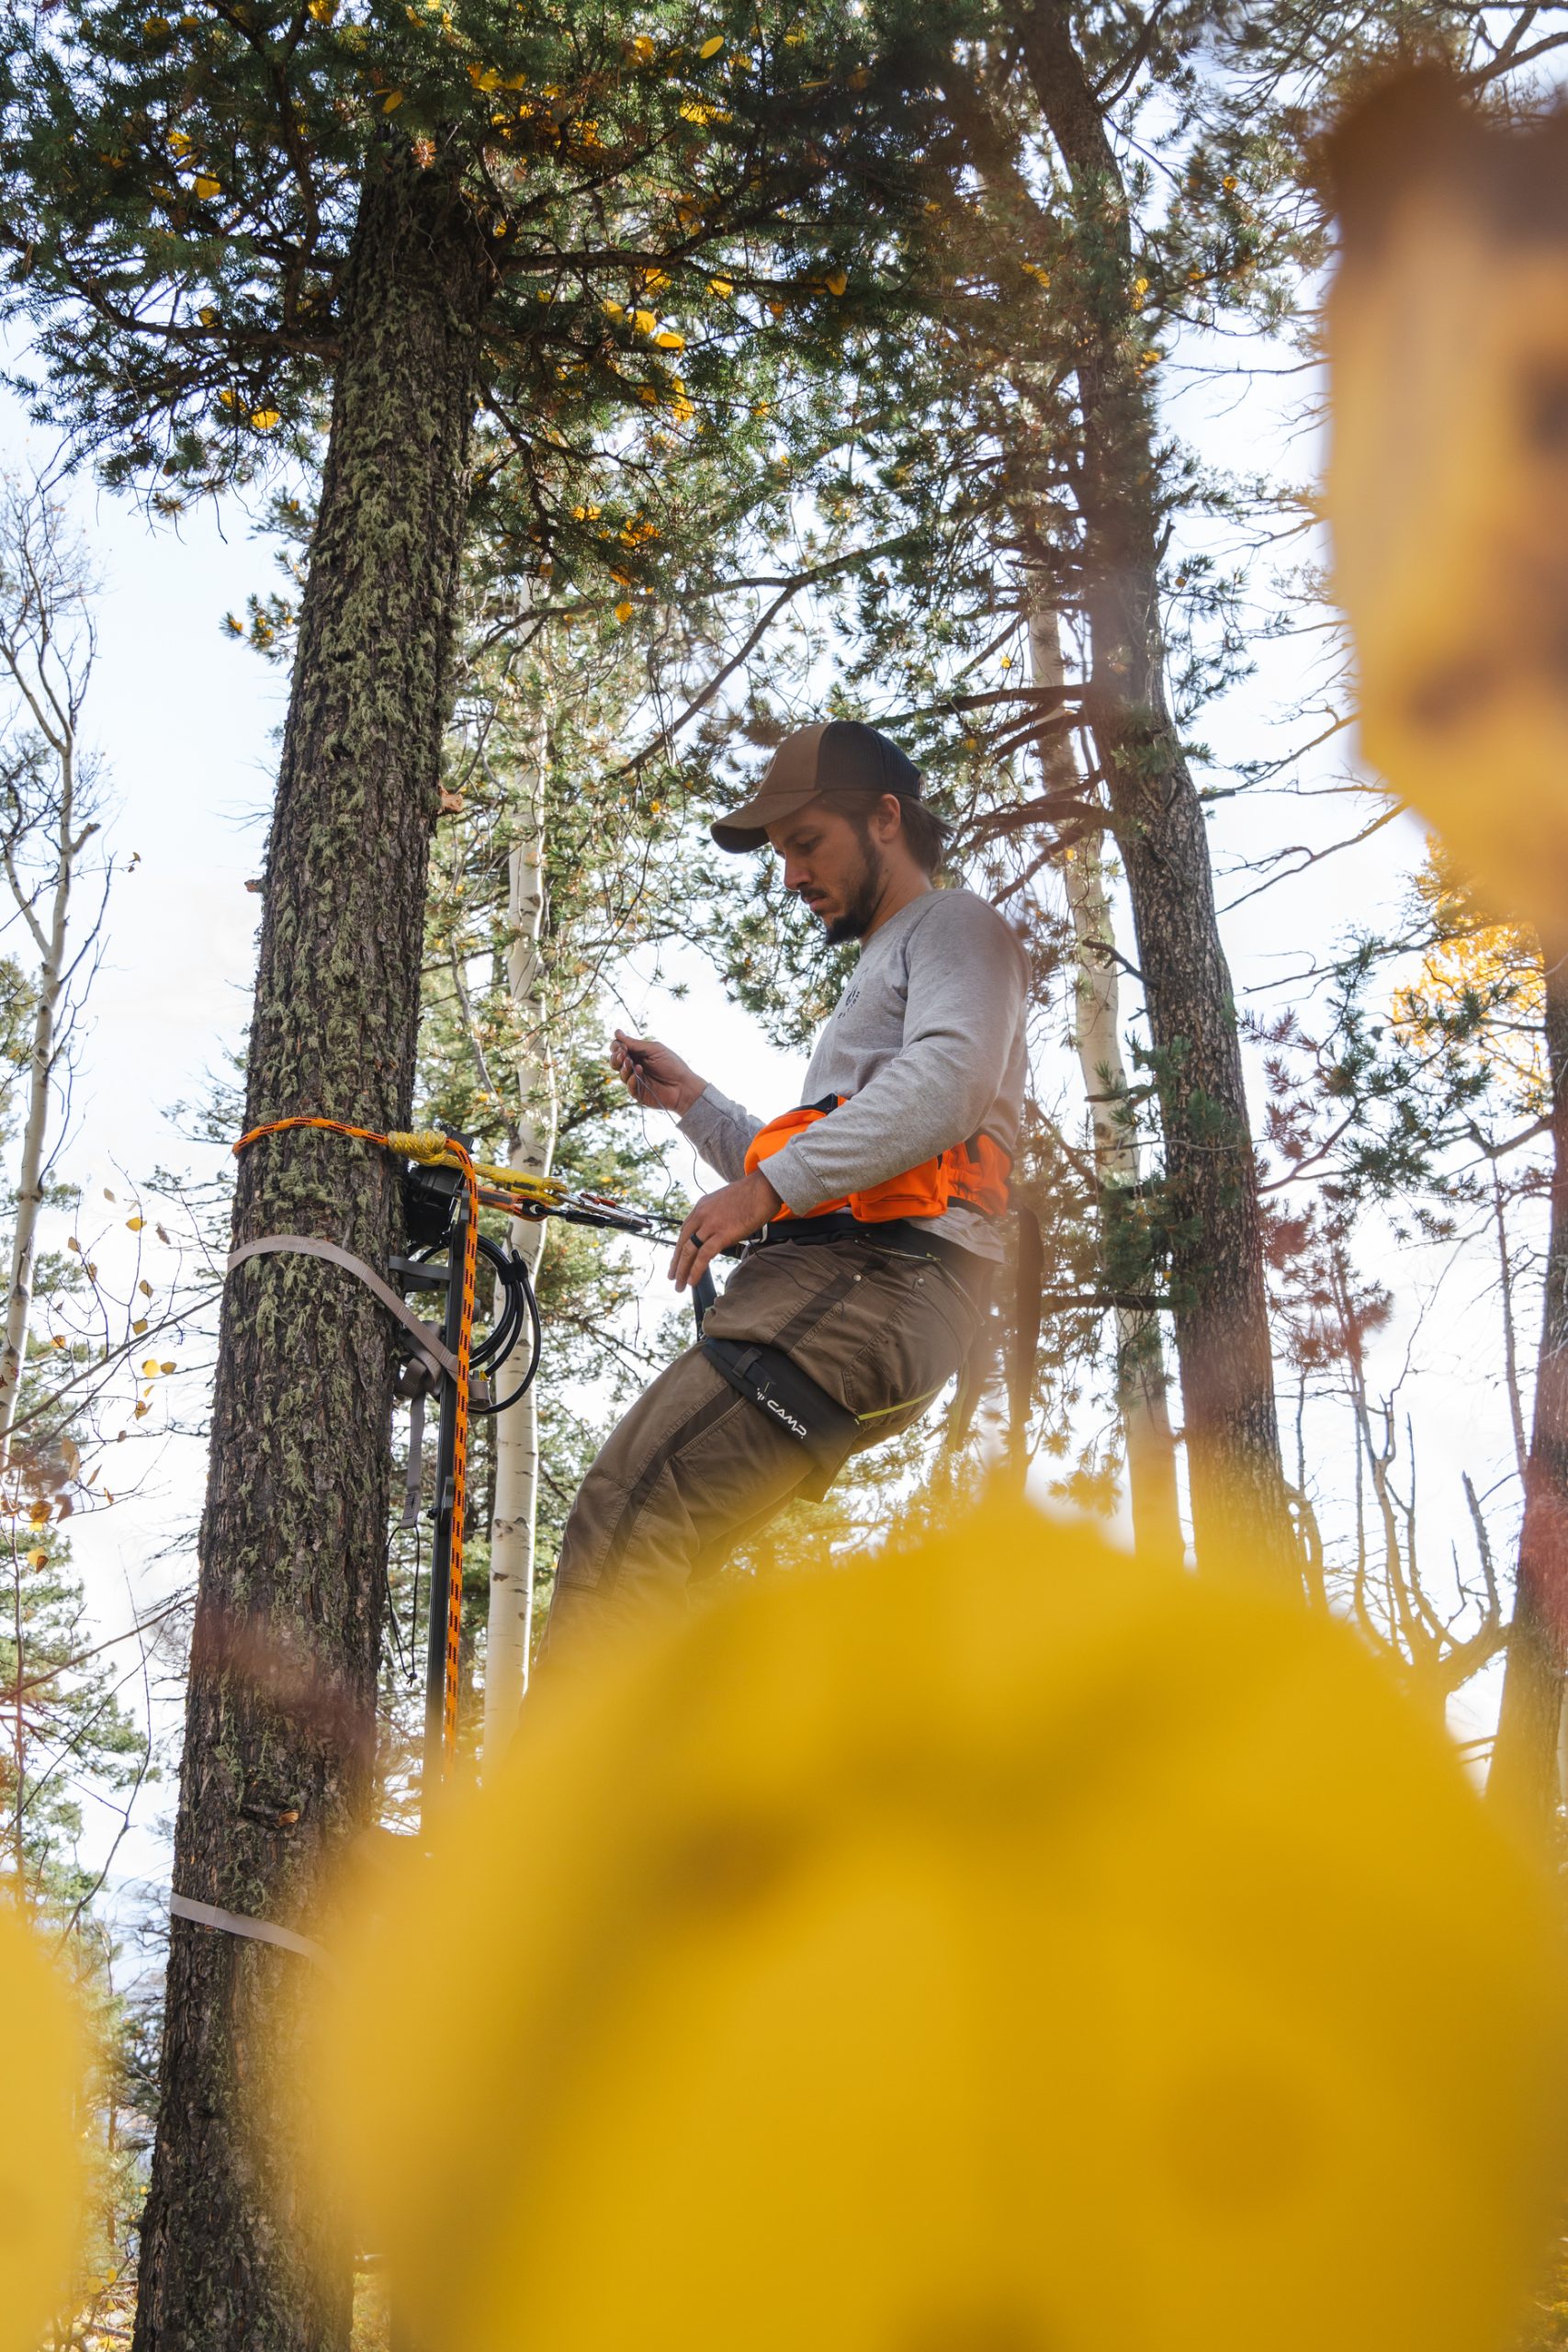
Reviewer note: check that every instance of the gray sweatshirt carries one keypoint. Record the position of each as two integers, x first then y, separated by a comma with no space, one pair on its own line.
928,1042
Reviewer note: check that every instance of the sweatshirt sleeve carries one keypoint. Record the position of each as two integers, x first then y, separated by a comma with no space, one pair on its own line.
720,1131
966,982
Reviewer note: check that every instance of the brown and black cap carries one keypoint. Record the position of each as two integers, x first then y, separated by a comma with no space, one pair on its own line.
838,755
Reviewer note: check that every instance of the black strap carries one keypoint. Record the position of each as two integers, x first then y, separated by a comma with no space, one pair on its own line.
798,1405
696,1423
898,1234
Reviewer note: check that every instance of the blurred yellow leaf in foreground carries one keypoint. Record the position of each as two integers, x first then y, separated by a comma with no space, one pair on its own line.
1447,486
40,2149
1011,1944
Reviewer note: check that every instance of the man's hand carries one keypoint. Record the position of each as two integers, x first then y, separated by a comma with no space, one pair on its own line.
651,1073
732,1214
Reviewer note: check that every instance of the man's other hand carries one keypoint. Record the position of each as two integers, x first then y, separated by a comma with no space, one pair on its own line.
732,1214
651,1073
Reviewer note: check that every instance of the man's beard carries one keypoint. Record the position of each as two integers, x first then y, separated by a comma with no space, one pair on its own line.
861,912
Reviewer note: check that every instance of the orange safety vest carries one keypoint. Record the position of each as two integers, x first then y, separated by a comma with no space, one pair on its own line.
975,1173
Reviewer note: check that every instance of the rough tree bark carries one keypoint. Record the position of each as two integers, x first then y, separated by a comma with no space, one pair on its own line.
513,1524
1097,1040
1525,1757
1221,1309
279,1721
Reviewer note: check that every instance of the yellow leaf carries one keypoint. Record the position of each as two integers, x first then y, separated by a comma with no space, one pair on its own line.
74,1243
624,612
836,280
134,1224
229,399
145,1288
39,1559
711,48
264,419
721,287
181,143
142,1412
670,340
644,321
642,48
154,27
168,1365
57,1339
140,1325
207,315
1208,1904
323,11
150,1365
1448,341
206,185
38,1513
391,102
613,309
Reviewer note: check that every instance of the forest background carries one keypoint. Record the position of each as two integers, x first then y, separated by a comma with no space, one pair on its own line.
1391,1038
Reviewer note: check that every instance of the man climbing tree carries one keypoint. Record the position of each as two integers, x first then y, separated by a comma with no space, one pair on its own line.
871,1212
232,230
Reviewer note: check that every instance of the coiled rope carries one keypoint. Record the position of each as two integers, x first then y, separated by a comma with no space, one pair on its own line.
432,1150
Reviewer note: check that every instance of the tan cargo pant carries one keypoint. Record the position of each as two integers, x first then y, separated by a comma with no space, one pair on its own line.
694,1466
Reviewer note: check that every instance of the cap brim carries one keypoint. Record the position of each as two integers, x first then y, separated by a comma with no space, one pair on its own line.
747,828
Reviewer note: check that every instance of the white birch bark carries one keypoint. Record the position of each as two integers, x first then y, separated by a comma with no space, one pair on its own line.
1096,1039
512,1534
47,647
50,939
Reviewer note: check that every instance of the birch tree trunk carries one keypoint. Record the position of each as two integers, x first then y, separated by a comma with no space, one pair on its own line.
47,648
50,943
1096,1039
513,1526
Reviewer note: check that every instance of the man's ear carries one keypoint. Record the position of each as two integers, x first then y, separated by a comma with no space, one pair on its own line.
889,818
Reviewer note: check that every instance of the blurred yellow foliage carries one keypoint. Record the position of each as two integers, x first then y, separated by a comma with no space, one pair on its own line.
40,2149
1008,1945
1447,486
1492,971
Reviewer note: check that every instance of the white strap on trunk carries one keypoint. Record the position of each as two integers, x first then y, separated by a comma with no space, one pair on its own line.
260,1931
438,1357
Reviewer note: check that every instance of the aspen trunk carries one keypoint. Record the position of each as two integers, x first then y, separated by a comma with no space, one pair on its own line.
277,1764
1524,1760
1216,1244
1096,1039
512,1535
50,943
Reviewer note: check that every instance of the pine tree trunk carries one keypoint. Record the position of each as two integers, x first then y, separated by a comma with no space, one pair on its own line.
278,1767
1524,1761
513,1540
1221,1308
1096,1039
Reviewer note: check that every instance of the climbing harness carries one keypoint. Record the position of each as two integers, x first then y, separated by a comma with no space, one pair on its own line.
445,1188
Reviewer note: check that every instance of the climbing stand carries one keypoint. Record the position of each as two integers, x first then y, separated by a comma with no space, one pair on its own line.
445,1190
